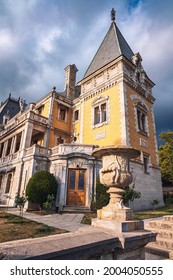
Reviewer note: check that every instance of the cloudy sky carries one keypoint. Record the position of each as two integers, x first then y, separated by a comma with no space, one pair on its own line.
39,38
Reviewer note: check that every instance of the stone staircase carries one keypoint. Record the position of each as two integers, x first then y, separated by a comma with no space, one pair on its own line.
164,240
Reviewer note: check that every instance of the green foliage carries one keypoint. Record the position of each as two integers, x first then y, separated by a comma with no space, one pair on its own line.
130,194
48,205
154,203
102,197
40,185
166,156
20,202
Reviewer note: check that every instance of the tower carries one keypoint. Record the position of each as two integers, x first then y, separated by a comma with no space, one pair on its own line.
116,108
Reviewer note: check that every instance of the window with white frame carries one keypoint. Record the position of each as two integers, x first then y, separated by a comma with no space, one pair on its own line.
142,118
100,111
8,184
76,115
146,160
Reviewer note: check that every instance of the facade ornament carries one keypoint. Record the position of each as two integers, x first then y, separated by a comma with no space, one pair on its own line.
113,15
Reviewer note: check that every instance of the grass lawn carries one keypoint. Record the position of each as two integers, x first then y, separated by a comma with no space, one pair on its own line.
148,214
163,211
14,228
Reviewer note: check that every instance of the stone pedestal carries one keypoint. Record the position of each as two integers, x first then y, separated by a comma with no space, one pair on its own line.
115,218
118,227
115,214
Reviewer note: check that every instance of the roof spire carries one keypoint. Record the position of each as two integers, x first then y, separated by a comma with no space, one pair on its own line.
113,15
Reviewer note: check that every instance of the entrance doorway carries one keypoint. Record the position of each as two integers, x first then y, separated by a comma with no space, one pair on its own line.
76,187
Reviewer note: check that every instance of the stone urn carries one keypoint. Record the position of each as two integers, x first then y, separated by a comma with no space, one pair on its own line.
115,176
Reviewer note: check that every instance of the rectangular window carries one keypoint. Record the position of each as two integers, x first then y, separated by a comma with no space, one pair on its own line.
100,114
103,112
1,149
141,117
76,116
8,185
146,163
72,179
62,113
96,115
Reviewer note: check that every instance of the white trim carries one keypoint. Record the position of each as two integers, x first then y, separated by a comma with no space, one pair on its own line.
82,120
125,140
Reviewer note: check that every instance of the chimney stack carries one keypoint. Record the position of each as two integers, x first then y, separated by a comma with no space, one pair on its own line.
70,80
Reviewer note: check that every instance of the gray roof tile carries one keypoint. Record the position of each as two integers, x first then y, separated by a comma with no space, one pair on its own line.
112,46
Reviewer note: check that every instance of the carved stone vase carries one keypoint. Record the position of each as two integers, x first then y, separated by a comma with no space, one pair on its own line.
115,176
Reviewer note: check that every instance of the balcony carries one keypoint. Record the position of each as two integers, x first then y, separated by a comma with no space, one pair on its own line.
35,150
18,119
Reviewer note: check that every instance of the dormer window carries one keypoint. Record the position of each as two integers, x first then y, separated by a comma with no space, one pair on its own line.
6,118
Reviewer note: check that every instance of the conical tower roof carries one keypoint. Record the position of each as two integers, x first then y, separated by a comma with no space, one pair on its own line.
112,46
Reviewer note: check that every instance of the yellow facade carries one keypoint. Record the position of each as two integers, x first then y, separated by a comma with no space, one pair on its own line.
136,136
108,133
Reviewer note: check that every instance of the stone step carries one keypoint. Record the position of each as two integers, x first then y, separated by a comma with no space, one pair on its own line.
162,243
161,224
163,233
167,254
76,209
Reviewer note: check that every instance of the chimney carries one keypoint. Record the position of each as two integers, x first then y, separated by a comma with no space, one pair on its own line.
70,80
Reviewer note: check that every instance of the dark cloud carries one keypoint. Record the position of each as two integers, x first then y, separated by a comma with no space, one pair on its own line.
39,38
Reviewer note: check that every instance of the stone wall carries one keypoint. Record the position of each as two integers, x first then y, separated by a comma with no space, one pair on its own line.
149,185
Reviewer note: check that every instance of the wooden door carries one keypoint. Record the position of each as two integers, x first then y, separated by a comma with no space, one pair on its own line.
76,187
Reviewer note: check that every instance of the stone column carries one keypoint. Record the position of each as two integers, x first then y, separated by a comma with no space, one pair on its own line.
26,141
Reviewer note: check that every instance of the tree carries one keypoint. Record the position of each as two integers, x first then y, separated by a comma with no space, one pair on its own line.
166,156
20,201
40,185
130,194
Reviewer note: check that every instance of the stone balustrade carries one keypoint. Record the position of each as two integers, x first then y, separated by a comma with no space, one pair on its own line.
30,115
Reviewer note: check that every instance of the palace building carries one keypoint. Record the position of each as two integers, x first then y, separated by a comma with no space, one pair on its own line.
111,105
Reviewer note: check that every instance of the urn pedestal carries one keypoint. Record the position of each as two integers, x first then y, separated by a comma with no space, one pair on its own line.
116,218
115,176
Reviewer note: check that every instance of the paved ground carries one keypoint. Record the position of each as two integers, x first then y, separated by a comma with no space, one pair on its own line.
70,222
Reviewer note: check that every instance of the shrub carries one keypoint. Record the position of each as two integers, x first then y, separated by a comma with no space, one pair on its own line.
20,201
40,185
102,197
130,194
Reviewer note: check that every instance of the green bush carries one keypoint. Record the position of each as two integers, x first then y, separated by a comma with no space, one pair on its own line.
102,197
130,194
40,185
